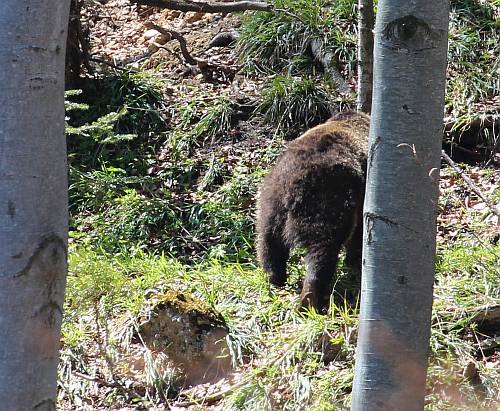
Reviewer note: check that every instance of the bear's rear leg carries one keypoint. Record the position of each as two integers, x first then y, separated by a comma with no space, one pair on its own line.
321,261
273,255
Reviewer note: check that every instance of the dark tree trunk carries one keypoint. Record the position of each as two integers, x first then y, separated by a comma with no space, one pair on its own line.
400,205
33,201
365,55
77,48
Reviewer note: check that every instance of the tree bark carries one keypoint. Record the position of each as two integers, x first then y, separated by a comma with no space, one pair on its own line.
77,47
207,6
365,55
33,201
401,205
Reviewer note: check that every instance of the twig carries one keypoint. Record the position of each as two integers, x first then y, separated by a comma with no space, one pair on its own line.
471,184
97,380
210,399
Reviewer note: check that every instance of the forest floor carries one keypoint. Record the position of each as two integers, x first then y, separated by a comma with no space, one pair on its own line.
165,307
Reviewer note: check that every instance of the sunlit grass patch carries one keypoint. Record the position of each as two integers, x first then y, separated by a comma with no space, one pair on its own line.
464,368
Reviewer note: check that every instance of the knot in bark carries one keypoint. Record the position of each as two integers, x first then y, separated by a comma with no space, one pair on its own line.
409,33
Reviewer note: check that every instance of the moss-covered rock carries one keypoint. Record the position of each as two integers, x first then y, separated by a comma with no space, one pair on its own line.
190,333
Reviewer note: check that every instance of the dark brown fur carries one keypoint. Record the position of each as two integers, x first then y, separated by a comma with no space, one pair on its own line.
313,198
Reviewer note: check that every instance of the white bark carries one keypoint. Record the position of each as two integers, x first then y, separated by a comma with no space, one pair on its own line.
400,205
33,200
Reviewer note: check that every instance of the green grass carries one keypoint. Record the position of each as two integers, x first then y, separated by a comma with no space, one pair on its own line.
297,361
105,292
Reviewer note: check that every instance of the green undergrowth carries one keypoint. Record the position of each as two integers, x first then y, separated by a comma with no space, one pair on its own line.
280,41
176,175
284,360
473,57
175,188
162,197
278,45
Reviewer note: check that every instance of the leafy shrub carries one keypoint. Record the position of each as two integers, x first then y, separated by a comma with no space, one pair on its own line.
121,124
142,94
129,219
281,45
293,102
472,55
274,41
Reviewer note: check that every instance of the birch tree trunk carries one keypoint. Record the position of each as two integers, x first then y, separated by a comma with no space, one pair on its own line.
365,55
33,200
400,205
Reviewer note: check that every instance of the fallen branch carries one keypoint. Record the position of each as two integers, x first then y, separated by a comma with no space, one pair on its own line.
486,317
487,314
210,71
171,34
326,59
471,184
207,6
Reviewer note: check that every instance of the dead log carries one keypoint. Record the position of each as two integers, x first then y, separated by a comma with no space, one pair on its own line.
487,317
207,6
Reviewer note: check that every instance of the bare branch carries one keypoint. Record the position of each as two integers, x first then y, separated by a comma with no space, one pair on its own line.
171,34
208,69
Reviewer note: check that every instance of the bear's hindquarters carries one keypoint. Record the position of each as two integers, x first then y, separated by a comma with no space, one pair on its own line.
324,216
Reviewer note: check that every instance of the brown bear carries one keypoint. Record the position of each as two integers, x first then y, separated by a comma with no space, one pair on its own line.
313,198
